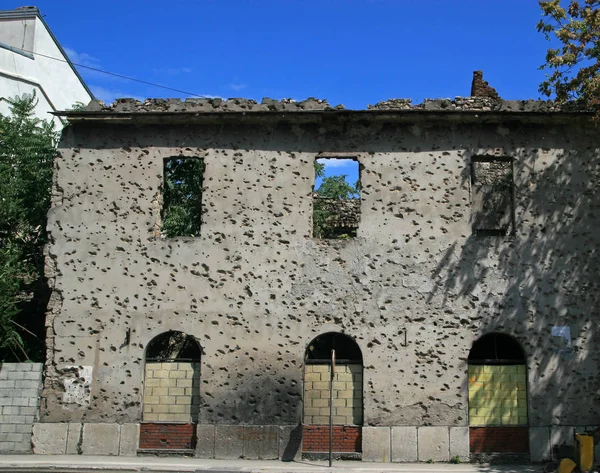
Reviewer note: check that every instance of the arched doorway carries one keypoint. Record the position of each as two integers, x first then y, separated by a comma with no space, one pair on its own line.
347,408
171,398
498,421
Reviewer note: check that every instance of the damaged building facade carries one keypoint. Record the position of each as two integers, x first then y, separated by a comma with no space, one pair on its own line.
460,309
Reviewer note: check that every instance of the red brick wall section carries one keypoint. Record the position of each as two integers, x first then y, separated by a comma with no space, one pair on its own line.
499,439
168,436
346,438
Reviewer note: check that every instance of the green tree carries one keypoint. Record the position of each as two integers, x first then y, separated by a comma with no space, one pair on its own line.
324,213
182,197
574,64
27,149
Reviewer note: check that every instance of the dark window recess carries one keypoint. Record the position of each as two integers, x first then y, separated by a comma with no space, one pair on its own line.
182,196
336,201
346,349
496,349
173,346
492,195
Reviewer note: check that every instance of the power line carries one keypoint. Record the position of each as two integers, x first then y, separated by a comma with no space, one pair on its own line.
118,75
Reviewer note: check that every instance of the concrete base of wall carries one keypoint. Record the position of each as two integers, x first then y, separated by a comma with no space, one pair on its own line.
253,442
379,444
410,444
543,441
87,439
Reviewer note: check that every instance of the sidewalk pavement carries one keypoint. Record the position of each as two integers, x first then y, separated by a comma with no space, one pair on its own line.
57,463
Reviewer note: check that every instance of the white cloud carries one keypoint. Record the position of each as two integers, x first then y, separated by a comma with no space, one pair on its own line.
237,86
109,95
82,59
336,162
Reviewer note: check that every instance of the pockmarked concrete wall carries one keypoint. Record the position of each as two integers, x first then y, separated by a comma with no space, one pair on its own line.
20,387
415,288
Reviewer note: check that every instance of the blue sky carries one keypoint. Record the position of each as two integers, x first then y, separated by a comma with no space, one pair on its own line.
353,52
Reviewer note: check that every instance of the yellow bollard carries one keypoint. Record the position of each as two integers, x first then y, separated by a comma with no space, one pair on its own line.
566,465
585,451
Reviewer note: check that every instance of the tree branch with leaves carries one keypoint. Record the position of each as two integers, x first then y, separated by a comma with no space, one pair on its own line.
574,65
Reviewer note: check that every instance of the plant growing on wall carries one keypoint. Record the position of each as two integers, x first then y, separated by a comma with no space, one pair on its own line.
574,64
27,149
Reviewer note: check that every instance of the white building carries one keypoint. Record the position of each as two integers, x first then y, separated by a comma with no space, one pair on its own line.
31,59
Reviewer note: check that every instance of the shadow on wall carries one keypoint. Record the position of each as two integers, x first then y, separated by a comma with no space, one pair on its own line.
550,271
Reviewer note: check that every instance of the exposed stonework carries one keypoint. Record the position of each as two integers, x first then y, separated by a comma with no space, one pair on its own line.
480,87
211,106
415,288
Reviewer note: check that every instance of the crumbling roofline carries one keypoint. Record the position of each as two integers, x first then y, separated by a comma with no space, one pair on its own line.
400,116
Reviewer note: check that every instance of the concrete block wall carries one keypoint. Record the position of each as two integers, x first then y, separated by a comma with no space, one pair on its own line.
347,395
171,392
74,438
409,444
20,385
497,395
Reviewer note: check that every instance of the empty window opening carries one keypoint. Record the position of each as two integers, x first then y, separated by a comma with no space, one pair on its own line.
492,188
347,392
182,196
346,349
497,388
172,381
336,198
173,346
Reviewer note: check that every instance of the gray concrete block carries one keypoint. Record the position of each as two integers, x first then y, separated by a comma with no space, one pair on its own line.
27,411
7,383
562,435
74,439
100,439
205,445
4,428
260,442
29,393
130,439
23,446
32,375
459,443
26,384
229,442
23,428
268,448
251,435
434,444
20,401
7,447
49,439
404,444
290,442
376,444
10,410
539,444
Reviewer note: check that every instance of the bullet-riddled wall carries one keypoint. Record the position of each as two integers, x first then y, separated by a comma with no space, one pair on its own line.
414,289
